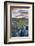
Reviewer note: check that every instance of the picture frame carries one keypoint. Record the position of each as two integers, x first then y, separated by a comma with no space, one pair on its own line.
18,22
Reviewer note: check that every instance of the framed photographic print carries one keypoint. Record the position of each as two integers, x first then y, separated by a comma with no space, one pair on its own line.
18,22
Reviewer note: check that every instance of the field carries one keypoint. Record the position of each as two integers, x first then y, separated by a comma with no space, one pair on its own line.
19,27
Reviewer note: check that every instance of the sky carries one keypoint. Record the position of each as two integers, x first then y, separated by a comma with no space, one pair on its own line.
19,13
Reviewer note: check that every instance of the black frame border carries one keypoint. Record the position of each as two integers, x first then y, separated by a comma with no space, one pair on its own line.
5,22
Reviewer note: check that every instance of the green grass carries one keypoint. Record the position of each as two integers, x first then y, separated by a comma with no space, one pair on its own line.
21,23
